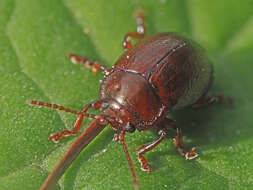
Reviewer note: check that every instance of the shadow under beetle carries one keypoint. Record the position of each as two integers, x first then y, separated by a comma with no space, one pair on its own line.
160,74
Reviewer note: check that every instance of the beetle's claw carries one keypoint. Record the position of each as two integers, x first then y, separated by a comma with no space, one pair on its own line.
146,168
191,154
54,137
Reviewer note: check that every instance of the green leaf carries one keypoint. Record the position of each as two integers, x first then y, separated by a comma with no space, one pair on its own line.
36,36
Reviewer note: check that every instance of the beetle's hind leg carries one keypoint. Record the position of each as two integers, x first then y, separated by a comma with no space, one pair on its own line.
77,126
93,65
178,140
140,30
209,100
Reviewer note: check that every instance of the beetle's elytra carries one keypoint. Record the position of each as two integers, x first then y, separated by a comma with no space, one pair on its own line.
158,75
161,73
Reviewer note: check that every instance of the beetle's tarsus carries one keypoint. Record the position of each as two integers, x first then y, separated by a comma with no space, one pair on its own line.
191,154
144,164
178,143
56,137
210,100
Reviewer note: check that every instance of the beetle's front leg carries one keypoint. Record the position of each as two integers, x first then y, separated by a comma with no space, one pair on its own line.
140,30
77,126
147,147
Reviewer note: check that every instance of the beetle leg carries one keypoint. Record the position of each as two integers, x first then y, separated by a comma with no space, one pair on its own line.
94,66
77,126
140,30
169,124
178,143
209,100
75,129
147,147
178,140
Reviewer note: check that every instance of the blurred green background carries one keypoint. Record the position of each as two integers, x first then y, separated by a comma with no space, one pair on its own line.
35,36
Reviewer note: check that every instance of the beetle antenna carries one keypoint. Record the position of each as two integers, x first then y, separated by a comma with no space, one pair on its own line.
130,163
61,108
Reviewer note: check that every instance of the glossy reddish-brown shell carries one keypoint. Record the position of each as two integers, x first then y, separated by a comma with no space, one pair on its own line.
161,73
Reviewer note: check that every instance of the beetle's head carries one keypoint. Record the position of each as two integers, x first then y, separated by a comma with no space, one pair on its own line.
118,117
130,99
116,91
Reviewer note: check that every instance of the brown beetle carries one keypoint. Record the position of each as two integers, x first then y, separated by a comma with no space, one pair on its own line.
160,74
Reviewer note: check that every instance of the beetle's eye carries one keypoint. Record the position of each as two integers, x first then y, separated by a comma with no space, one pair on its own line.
104,105
130,128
